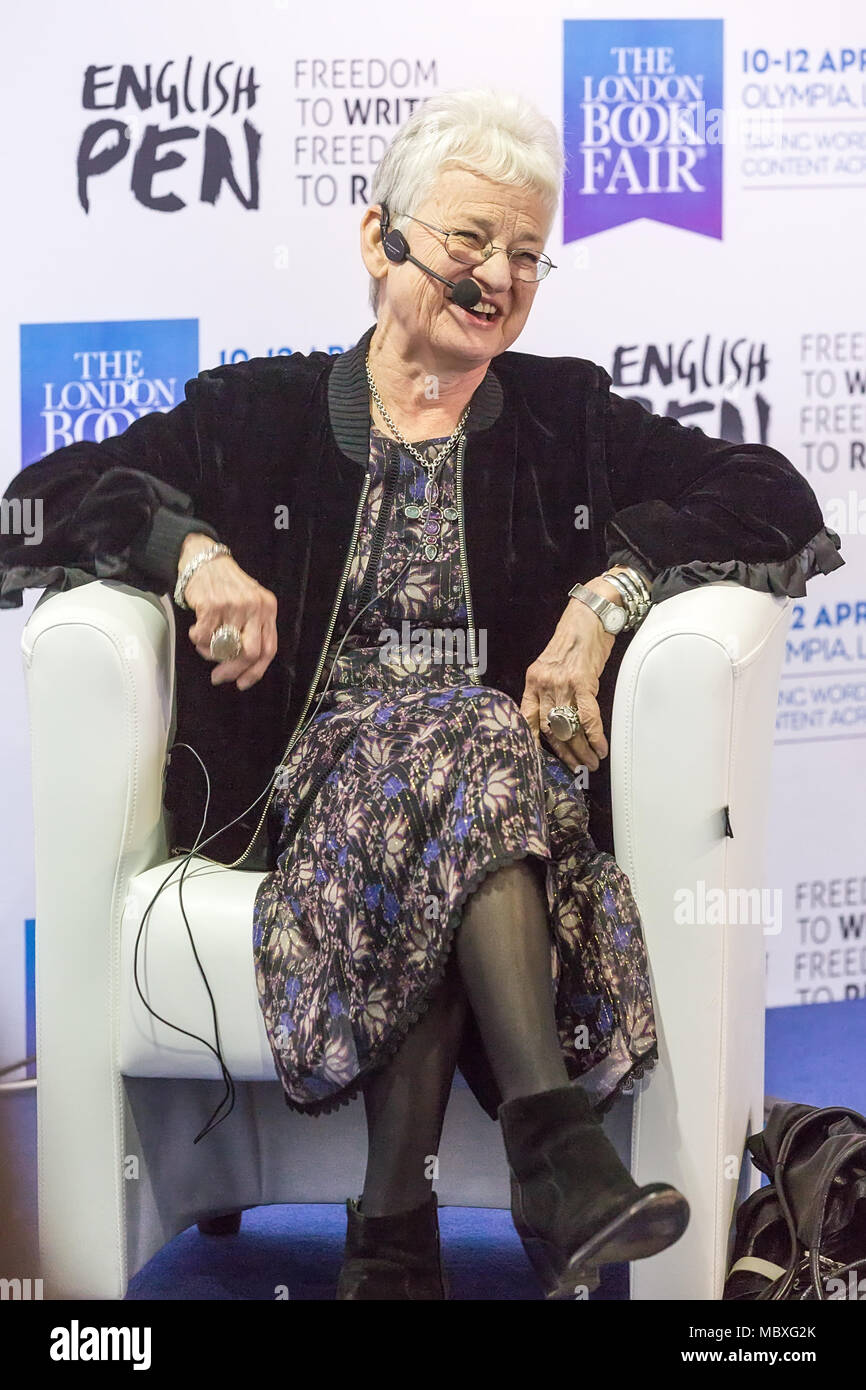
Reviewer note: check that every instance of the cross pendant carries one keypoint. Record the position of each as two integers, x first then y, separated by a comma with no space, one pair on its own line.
431,517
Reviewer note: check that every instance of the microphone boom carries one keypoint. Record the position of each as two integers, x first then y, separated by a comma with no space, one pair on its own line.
465,293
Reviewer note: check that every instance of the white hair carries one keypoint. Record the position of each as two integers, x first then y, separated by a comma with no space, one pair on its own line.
499,135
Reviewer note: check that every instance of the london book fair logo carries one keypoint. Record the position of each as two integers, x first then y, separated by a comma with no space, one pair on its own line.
172,132
642,124
91,381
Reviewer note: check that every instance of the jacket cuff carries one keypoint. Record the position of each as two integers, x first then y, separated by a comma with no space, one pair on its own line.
52,578
623,556
788,577
158,555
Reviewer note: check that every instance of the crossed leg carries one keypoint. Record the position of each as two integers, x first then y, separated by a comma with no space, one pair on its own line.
500,968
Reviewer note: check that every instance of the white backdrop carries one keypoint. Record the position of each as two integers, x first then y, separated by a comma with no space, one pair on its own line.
754,258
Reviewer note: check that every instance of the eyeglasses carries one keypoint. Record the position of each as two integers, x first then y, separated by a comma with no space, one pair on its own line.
471,248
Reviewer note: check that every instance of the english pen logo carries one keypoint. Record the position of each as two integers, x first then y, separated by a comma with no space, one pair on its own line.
156,118
642,124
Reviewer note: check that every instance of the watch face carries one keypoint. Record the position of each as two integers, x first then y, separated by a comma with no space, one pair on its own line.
615,620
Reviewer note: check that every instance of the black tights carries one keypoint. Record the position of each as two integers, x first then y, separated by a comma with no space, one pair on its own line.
500,968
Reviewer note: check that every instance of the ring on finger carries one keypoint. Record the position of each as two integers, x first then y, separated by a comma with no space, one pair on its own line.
563,722
226,643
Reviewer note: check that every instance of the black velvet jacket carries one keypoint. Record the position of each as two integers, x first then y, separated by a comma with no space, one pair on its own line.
546,436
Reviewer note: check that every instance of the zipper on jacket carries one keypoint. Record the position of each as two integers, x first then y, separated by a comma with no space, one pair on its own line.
314,682
333,618
464,564
392,473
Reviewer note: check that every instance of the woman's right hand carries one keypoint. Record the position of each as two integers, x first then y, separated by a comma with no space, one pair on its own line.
220,592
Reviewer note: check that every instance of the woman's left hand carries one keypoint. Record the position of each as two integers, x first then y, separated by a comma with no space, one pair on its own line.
567,673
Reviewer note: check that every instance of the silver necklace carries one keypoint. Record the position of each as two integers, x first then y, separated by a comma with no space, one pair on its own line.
430,514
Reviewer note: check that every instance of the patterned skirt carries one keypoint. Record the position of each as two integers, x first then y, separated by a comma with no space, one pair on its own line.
395,805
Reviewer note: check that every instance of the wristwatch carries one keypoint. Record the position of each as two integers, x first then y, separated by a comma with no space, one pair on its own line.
613,617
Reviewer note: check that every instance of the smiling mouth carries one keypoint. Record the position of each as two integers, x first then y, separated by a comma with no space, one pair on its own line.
482,314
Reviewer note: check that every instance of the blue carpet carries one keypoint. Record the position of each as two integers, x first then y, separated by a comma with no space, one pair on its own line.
298,1249
295,1252
816,1054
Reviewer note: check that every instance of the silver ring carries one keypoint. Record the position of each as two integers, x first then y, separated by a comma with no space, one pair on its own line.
563,722
226,643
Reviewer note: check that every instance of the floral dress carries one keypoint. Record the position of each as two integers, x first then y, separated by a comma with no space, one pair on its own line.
409,785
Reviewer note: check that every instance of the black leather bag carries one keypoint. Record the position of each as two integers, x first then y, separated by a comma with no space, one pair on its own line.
804,1235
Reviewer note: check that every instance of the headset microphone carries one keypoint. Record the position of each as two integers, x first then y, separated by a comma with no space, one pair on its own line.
465,293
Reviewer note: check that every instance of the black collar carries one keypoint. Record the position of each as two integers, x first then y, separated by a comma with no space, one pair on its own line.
349,406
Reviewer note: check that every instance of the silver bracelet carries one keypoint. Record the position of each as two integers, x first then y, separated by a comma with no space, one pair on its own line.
644,600
628,599
189,571
642,606
635,581
631,587
634,592
638,579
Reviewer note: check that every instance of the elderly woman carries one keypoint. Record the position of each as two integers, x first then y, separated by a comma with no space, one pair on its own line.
469,529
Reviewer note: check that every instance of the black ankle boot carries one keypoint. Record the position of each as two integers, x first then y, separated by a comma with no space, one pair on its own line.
393,1257
574,1205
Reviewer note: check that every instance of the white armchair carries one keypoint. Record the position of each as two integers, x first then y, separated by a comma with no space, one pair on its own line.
121,1096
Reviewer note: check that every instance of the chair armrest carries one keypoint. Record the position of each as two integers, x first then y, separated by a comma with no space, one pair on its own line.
692,728
99,673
